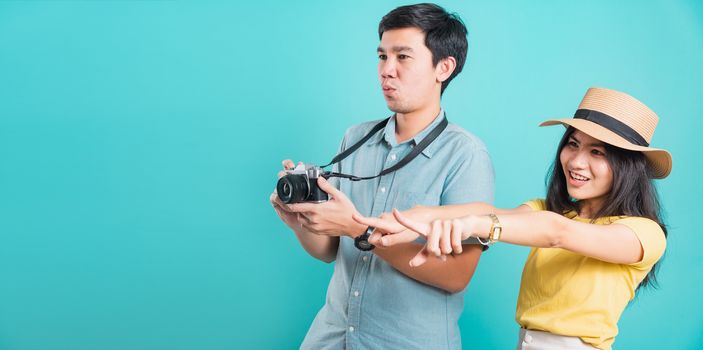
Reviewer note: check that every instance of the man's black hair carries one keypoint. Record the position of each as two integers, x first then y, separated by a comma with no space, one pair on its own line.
445,33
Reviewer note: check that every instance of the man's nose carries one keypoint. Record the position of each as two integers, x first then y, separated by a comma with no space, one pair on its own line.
388,69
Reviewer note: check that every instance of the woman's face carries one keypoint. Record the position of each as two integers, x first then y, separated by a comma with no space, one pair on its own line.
589,177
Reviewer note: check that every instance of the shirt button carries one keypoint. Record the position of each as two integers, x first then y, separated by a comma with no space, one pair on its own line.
356,293
365,258
383,189
392,156
351,328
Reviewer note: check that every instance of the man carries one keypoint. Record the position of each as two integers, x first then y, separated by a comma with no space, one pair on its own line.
376,300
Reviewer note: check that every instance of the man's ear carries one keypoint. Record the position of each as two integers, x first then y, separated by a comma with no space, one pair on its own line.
445,68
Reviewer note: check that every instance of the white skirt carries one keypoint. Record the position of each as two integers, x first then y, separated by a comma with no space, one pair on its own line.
538,340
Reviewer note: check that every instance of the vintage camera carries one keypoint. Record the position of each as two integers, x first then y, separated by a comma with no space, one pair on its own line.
300,185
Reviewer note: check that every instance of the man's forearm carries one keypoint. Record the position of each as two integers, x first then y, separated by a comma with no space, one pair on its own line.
318,246
452,275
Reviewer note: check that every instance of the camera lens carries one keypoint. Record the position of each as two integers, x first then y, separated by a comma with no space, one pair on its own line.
292,188
286,189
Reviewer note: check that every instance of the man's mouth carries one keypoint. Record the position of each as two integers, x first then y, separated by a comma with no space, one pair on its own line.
386,85
388,90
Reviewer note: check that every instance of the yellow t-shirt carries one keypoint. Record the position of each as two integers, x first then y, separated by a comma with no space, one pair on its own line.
570,294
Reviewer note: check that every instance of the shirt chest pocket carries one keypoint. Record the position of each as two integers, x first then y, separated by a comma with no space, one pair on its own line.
408,199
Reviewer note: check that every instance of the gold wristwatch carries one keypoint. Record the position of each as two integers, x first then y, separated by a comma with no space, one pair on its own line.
496,229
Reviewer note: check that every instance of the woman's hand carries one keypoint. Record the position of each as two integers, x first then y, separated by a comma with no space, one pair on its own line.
388,232
443,236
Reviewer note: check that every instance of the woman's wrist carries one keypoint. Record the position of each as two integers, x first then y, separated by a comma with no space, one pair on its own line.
479,225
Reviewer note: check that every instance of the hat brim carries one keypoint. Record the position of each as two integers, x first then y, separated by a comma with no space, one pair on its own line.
659,160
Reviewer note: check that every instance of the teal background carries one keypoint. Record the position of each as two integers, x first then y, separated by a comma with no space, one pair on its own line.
140,140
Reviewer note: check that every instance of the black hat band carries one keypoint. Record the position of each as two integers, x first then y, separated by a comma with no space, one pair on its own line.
612,124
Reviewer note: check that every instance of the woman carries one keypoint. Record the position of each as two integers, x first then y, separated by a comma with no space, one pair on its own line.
597,236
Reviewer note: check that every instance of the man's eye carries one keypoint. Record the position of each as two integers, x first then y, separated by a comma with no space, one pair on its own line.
402,57
382,57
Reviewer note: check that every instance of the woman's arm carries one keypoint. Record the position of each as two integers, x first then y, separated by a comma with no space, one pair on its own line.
613,243
450,275
610,243
389,232
459,210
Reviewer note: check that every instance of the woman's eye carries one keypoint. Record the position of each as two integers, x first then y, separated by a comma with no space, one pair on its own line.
597,152
573,144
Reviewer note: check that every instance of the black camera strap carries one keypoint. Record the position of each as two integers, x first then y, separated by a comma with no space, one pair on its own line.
426,141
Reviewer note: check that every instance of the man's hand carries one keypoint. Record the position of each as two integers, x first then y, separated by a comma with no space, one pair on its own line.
320,247
291,219
330,218
387,230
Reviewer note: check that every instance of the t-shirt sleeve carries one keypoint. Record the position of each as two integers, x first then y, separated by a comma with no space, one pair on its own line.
651,237
536,204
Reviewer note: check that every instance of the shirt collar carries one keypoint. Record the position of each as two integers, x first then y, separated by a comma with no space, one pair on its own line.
380,136
388,134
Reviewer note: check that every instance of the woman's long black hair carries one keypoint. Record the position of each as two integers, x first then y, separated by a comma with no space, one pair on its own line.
633,192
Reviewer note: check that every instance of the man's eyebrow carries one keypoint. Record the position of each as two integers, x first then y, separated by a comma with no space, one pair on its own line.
396,49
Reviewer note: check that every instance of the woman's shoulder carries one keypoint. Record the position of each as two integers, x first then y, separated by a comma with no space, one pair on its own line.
651,237
537,204
638,223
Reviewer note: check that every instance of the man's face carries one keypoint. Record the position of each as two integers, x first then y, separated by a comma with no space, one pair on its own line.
405,70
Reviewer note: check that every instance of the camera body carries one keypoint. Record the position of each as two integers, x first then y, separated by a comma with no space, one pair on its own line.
300,185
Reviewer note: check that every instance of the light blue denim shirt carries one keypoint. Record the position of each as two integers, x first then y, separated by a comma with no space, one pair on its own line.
371,305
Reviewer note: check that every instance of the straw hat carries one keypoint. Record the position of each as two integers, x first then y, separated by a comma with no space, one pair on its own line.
620,120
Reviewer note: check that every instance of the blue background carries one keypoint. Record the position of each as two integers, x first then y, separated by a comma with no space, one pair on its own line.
139,142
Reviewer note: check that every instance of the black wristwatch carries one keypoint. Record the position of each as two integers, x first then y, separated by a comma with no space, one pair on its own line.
362,242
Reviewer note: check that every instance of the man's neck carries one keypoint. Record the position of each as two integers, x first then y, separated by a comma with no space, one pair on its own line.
407,125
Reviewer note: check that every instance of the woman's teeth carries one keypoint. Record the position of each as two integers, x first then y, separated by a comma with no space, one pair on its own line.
578,177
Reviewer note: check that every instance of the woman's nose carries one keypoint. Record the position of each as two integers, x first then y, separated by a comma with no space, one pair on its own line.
579,160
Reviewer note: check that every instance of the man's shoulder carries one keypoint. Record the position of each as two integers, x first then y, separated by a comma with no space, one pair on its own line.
460,138
362,128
